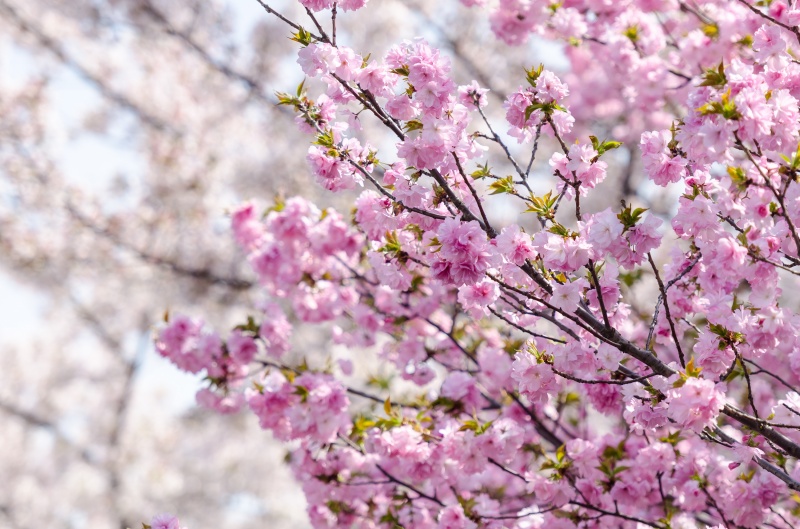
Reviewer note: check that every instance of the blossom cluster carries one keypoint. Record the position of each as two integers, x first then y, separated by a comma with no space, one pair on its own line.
508,344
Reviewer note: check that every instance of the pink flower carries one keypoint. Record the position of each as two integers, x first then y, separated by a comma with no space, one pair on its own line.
352,5
465,251
317,5
472,95
247,228
603,231
605,398
642,417
562,253
421,154
713,359
696,404
275,330
659,164
477,297
516,104
608,356
580,157
502,441
645,235
569,22
768,41
242,348
460,387
567,296
310,59
550,88
515,245
536,381
224,404
165,521
453,517
400,107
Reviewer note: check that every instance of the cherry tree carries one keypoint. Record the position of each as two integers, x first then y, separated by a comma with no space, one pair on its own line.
561,363
127,130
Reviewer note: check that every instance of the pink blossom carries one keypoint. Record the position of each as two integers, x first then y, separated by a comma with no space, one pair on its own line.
317,5
476,298
536,381
660,165
453,517
696,404
275,330
472,95
768,41
165,521
714,359
515,245
223,404
247,229
550,88
567,296
242,348
352,5
603,231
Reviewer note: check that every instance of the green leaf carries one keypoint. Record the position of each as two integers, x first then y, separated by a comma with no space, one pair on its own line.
325,139
251,326
392,245
503,185
674,438
546,108
739,177
747,476
725,107
413,125
403,70
361,425
715,76
558,229
620,469
711,30
468,425
630,278
692,370
482,172
728,337
511,346
604,146
533,74
286,99
543,206
302,391
608,145
276,207
629,217
303,37
484,427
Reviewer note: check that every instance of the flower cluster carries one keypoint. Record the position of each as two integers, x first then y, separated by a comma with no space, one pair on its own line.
504,345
